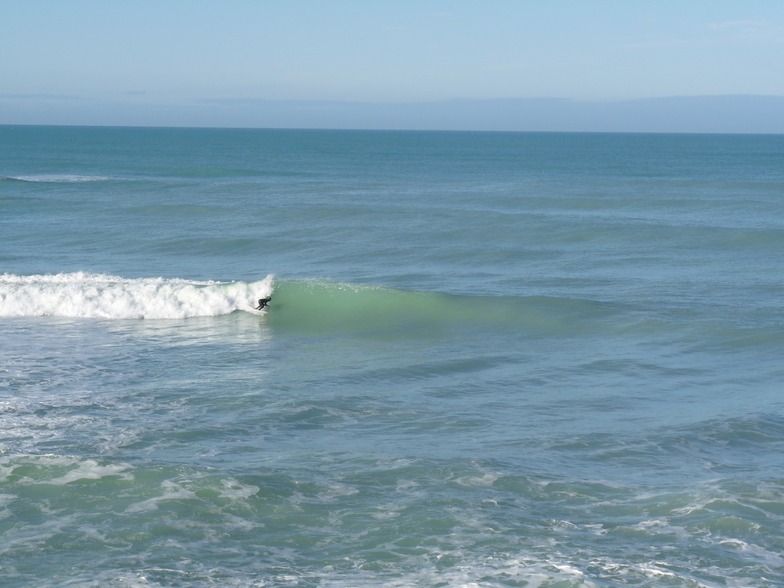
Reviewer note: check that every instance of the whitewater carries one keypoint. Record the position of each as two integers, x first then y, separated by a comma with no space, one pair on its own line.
112,297
490,359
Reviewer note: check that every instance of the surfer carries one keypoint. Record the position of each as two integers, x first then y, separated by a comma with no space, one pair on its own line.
263,302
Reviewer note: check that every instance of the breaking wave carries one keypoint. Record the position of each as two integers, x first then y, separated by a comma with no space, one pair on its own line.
86,295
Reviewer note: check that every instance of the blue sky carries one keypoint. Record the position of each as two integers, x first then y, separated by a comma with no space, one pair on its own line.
141,61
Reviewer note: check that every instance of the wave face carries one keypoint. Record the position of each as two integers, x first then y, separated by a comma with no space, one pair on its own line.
85,295
326,306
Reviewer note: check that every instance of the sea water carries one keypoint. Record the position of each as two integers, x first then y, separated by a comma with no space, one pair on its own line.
490,359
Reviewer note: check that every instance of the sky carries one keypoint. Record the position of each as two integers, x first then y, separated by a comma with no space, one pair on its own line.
215,63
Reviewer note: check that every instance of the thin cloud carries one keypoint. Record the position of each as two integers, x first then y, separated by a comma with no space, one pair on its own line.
739,25
55,97
730,31
748,30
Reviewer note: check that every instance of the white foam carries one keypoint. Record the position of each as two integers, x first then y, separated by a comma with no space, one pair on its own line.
58,178
91,470
234,490
84,295
60,469
170,491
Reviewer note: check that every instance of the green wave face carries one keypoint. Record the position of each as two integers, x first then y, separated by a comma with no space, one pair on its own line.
319,306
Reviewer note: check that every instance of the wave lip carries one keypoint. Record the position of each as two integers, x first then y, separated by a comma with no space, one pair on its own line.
86,295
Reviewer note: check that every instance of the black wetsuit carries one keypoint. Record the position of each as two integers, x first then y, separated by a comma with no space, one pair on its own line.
263,302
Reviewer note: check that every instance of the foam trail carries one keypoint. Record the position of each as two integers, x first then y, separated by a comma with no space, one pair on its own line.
88,295
55,178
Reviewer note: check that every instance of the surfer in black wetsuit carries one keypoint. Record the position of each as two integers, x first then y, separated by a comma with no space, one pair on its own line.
263,302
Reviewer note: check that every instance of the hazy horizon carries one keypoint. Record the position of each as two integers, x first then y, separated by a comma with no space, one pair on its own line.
700,114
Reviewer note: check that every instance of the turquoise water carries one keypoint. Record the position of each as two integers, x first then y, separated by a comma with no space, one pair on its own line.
490,359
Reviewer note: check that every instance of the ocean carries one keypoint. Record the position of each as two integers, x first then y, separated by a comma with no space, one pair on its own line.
490,359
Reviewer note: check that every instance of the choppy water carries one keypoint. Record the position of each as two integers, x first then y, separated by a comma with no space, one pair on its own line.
489,360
